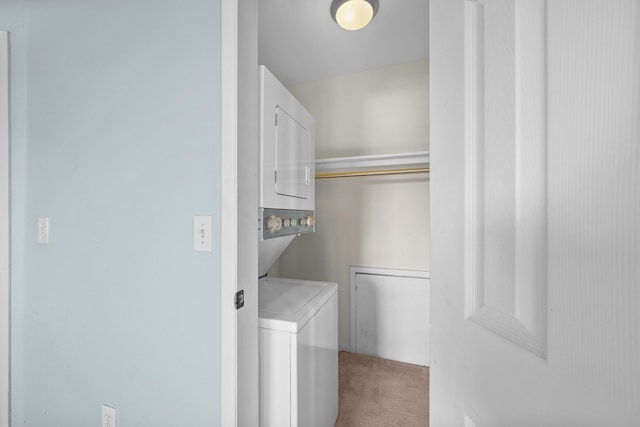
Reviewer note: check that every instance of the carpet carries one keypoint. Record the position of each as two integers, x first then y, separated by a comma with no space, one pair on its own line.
377,392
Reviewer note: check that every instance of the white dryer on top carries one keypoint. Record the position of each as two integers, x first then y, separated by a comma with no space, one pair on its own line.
287,148
287,170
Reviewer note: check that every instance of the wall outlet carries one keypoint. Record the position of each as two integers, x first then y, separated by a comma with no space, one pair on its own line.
108,416
203,233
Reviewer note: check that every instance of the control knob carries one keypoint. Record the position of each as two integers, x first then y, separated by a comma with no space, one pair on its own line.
309,221
274,224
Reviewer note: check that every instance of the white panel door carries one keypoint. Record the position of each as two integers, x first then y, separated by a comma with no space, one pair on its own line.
390,314
535,221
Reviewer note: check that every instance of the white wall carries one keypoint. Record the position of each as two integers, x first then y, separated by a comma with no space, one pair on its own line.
368,221
380,111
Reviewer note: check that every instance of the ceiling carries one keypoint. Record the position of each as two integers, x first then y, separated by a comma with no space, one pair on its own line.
299,41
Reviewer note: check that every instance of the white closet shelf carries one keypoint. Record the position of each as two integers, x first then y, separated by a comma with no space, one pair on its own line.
378,164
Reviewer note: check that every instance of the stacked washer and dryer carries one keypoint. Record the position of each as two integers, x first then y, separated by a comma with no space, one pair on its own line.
298,319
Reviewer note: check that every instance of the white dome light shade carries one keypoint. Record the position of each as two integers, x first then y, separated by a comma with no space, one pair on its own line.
353,14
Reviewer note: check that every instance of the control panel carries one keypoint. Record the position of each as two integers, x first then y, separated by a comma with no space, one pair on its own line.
285,222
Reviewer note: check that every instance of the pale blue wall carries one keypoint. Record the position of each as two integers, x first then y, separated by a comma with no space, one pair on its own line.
115,138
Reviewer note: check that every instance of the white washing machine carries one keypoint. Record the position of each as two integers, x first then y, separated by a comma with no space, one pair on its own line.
298,333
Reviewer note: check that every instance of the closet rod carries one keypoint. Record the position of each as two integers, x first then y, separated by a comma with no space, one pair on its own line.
370,173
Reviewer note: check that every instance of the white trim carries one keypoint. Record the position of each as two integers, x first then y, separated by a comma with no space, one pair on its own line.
355,270
418,159
4,231
228,210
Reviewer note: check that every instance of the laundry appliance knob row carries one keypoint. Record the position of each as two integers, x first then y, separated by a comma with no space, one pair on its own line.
285,222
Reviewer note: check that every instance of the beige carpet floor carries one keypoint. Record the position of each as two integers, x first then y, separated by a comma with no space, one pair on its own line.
377,392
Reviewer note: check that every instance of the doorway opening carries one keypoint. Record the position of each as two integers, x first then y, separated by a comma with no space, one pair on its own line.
360,112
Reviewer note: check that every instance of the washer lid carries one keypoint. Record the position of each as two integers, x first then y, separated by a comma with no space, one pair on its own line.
288,304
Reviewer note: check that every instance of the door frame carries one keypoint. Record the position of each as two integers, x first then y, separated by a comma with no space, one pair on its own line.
228,209
239,396
5,351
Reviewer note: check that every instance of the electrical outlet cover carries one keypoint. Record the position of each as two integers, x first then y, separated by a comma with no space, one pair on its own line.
108,416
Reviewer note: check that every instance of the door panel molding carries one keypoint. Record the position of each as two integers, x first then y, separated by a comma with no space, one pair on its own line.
505,170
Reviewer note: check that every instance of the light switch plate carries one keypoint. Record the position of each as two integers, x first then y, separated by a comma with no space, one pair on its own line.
43,231
203,233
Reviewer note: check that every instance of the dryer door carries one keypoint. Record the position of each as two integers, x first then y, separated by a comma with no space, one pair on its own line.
287,150
292,177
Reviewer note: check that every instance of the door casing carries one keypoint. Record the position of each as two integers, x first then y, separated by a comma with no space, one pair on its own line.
4,231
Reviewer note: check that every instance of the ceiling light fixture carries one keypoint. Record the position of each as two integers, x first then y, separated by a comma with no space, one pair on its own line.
353,14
